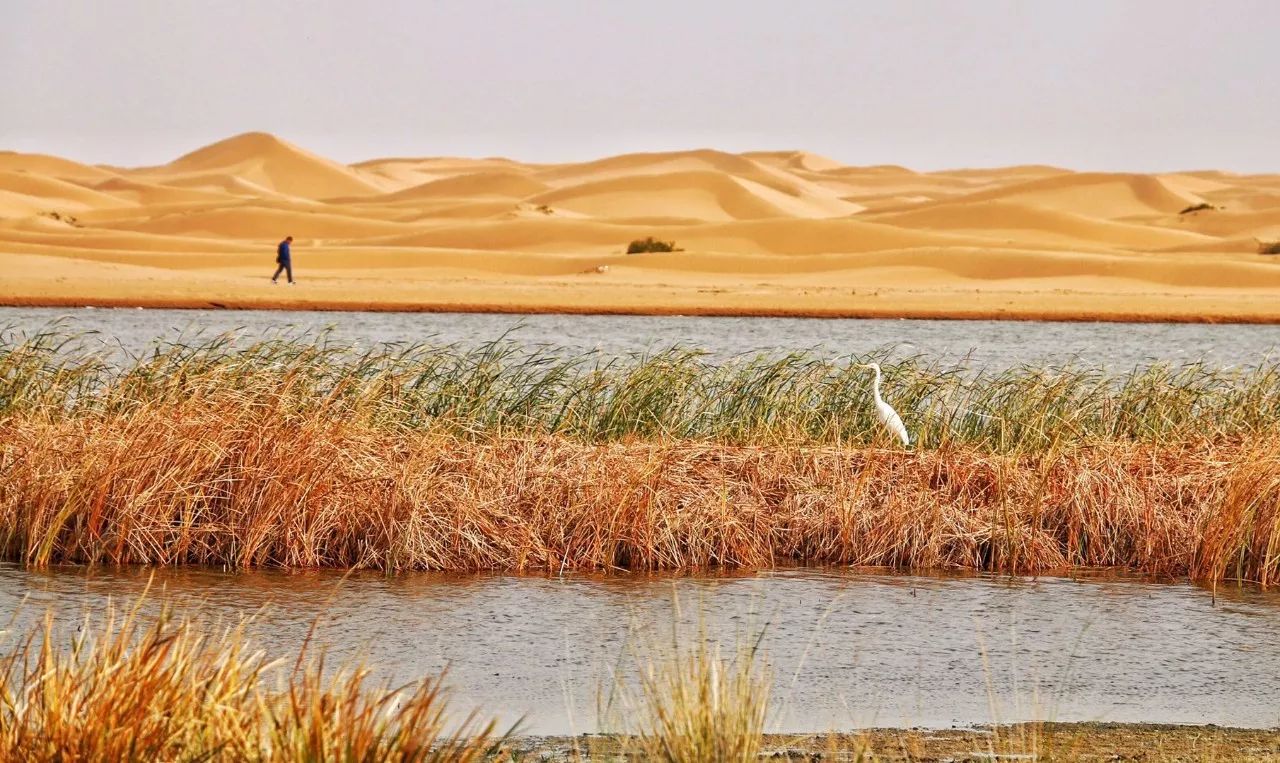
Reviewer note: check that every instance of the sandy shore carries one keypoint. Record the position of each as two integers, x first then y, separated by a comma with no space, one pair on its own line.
813,303
770,234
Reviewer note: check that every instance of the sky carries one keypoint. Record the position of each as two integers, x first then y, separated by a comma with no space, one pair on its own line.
1134,85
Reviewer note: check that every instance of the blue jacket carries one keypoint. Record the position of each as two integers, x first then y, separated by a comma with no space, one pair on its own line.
282,252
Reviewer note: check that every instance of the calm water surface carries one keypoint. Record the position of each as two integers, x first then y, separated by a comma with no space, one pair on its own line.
846,649
993,344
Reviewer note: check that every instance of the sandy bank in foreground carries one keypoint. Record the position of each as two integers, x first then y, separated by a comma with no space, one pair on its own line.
1047,741
763,233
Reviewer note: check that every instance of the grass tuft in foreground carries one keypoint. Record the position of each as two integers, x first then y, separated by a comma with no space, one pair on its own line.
691,704
125,690
701,708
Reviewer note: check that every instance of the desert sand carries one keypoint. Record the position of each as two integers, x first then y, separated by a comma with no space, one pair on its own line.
762,233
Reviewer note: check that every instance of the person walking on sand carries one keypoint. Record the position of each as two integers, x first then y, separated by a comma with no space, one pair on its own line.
284,260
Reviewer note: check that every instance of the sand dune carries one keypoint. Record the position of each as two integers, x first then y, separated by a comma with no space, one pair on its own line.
405,171
19,205
1223,223
473,185
1014,219
789,237
222,182
49,166
148,194
1106,196
650,164
1017,171
252,222
768,232
51,193
795,160
275,164
691,194
1257,201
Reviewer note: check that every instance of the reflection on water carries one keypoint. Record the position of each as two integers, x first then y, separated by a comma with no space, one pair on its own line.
846,649
993,344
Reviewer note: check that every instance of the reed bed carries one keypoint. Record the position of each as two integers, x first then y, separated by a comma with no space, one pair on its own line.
295,454
126,690
500,389
243,481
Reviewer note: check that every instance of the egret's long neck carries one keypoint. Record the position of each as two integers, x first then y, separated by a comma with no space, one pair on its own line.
877,386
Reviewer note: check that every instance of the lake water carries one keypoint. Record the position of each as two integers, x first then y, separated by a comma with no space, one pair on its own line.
991,344
845,649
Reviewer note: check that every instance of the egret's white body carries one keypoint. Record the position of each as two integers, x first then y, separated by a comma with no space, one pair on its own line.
889,417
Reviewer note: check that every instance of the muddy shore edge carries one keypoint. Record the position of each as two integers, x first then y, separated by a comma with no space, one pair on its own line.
1028,741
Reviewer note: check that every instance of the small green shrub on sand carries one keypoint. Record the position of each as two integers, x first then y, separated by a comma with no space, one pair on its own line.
1197,208
651,244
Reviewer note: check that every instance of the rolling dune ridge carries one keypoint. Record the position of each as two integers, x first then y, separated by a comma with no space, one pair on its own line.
769,233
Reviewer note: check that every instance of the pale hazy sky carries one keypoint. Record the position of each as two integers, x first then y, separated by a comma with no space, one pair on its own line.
1089,84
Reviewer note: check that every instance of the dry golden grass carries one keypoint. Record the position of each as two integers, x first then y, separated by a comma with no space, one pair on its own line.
688,702
699,707
241,483
125,690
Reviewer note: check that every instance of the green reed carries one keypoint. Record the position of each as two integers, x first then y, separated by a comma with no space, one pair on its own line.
500,388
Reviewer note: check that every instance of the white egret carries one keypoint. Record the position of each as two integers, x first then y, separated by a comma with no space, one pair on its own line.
889,417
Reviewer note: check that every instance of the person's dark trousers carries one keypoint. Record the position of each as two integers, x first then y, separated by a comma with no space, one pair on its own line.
286,266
